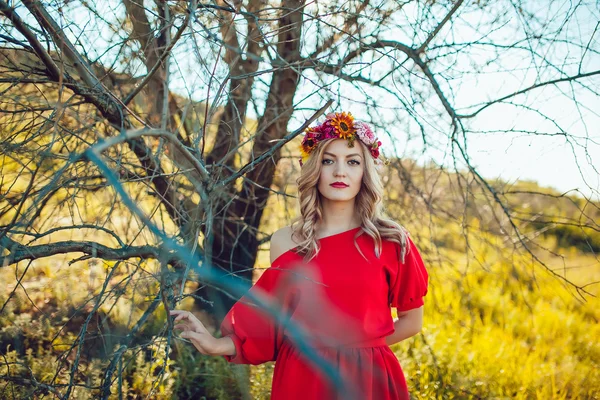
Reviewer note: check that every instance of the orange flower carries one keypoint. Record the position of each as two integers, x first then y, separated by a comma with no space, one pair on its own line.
343,123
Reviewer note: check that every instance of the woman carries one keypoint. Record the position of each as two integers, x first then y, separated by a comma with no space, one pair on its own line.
335,273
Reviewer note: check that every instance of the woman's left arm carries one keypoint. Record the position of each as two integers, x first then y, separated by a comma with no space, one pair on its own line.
408,324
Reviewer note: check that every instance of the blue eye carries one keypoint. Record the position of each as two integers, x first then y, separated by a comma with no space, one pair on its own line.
323,162
355,161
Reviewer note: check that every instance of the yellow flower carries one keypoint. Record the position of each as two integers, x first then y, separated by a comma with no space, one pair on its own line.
307,146
303,153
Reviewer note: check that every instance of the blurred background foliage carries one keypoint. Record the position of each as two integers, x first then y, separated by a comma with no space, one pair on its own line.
512,310
496,325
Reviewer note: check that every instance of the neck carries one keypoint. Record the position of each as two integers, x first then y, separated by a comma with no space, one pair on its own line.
338,216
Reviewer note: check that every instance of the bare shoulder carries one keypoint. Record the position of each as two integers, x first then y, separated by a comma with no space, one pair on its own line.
281,242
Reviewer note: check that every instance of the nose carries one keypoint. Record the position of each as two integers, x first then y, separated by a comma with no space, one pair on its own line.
340,170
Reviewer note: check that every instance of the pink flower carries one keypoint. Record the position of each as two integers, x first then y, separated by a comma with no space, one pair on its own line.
328,130
364,132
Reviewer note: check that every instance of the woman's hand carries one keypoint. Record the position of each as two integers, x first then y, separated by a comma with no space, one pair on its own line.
196,332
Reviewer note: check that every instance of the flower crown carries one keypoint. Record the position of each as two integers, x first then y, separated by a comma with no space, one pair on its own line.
340,126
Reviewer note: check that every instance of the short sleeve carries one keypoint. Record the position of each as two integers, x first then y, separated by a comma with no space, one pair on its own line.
410,281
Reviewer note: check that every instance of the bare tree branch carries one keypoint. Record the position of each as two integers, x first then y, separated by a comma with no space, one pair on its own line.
530,88
439,27
162,57
19,252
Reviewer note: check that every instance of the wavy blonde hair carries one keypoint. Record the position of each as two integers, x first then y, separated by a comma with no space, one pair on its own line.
368,203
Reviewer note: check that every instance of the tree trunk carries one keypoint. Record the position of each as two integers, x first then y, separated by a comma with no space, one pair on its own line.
235,244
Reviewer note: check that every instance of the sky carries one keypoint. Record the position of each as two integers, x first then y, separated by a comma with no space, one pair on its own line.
533,148
565,152
550,134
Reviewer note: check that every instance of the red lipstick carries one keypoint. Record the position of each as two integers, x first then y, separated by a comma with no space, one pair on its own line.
339,185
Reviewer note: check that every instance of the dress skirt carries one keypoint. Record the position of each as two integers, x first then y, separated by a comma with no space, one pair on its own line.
370,373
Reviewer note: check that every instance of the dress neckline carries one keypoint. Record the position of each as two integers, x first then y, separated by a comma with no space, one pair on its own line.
319,239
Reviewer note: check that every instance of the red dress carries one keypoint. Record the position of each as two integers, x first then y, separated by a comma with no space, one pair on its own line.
341,301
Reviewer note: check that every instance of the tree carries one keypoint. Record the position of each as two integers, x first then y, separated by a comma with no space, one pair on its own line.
191,104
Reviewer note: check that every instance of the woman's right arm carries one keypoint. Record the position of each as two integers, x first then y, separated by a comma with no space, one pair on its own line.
196,332
253,332
249,333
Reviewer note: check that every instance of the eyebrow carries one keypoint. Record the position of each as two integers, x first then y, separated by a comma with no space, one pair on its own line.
349,155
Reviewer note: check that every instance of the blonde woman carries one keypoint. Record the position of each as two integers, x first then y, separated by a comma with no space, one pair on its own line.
335,273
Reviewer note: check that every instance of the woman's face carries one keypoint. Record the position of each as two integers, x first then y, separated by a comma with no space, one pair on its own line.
342,171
